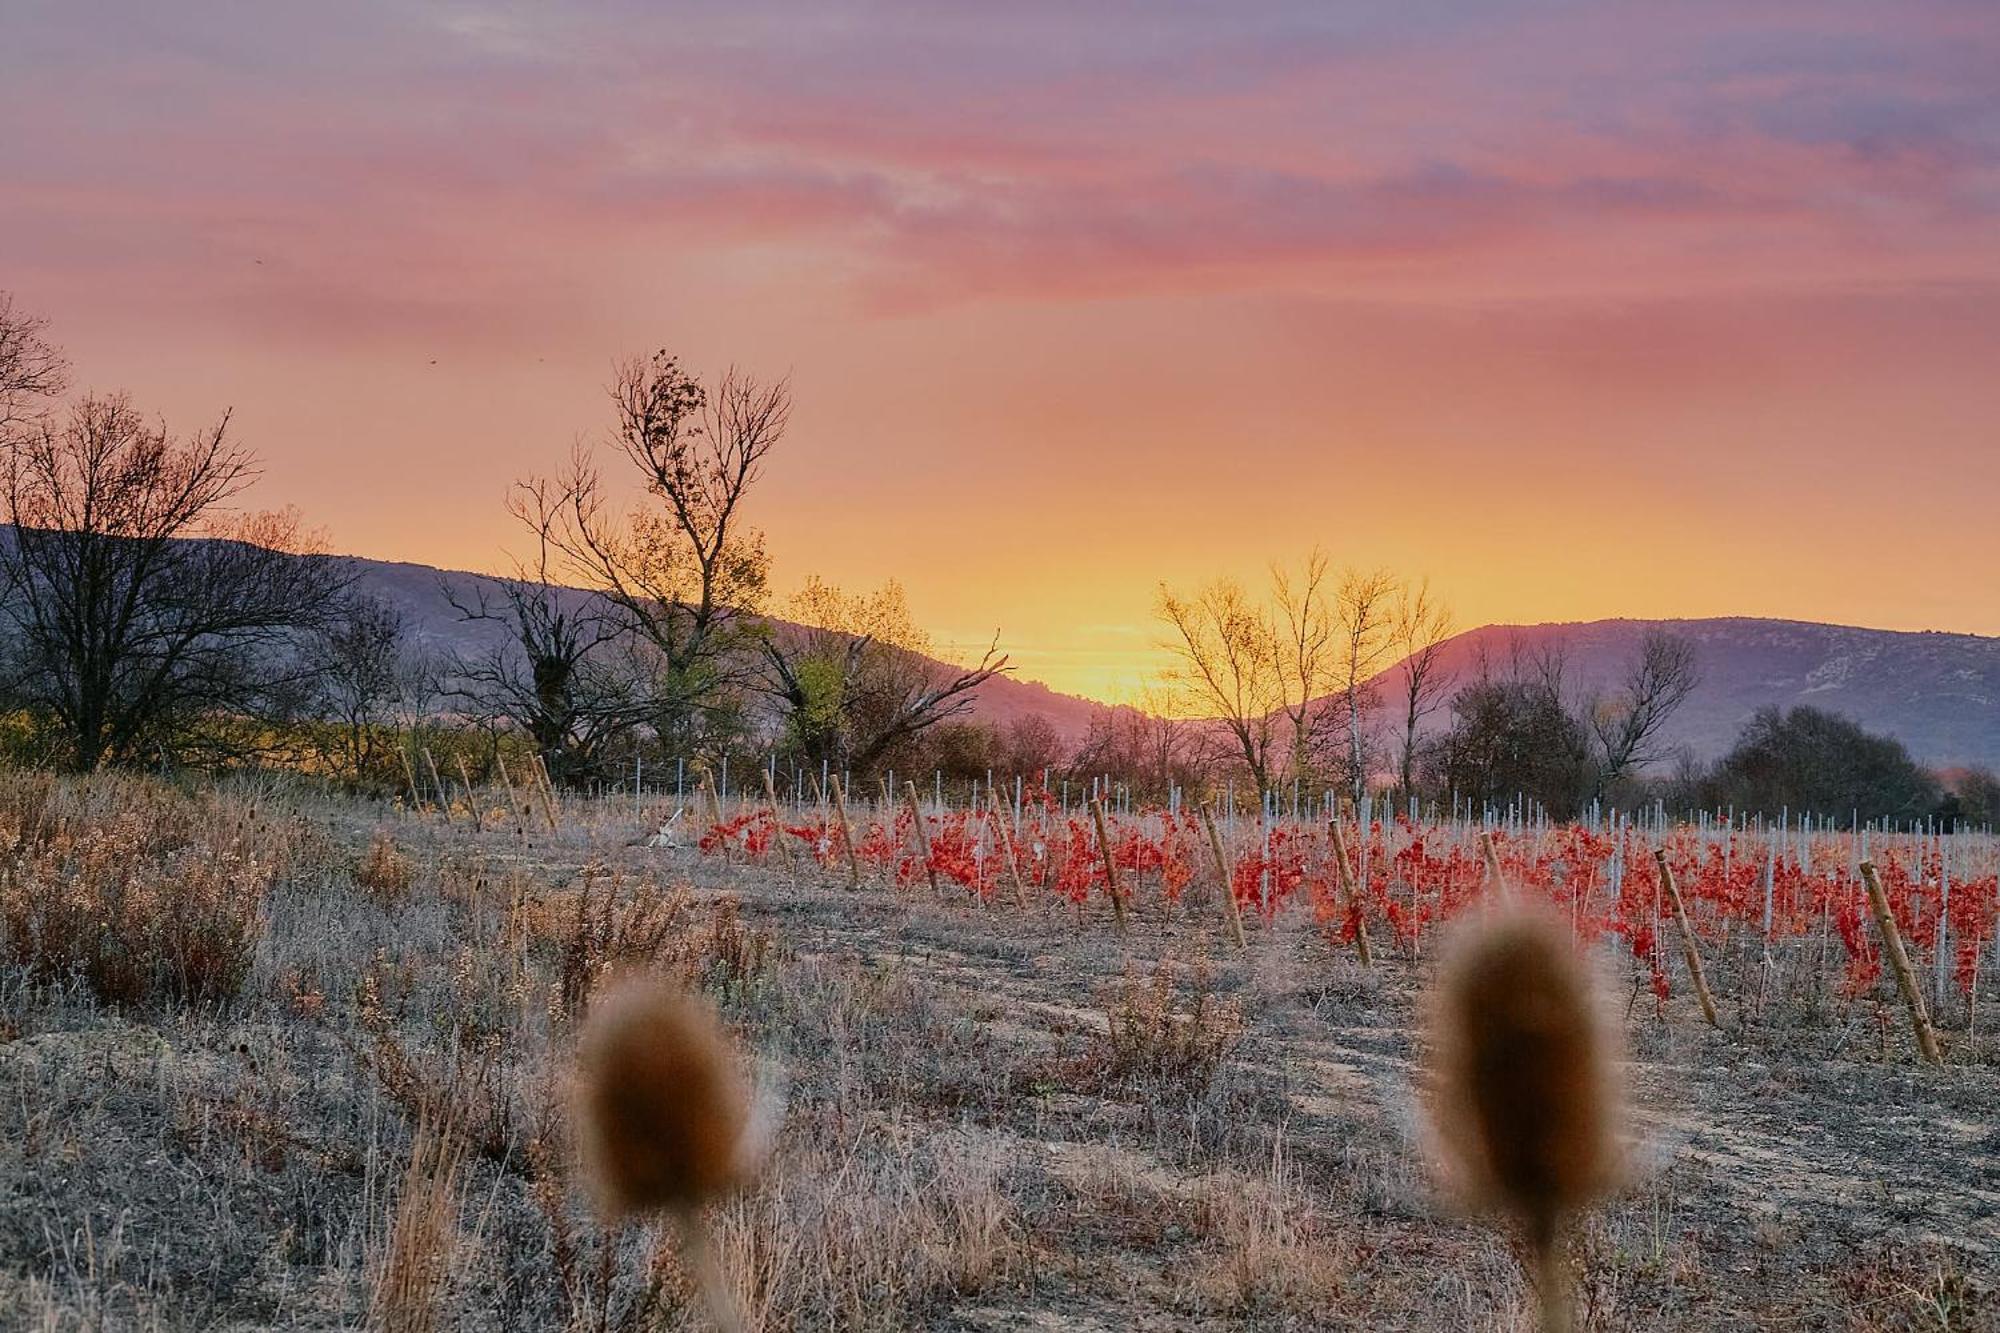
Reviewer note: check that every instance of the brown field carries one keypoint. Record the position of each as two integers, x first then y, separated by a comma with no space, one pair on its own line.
269,1060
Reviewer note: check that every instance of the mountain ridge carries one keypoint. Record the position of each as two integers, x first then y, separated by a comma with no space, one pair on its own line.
418,591
1938,691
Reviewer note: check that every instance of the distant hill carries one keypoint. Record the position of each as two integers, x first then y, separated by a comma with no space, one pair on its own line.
418,591
1937,693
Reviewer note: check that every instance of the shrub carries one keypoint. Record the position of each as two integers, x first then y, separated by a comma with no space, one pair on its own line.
1150,1043
609,923
147,896
465,1085
607,927
383,872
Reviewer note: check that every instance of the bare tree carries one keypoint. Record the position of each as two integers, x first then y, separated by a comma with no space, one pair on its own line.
1306,652
1363,607
855,679
1536,732
1147,747
1421,626
686,572
1226,652
144,610
1627,725
560,671
1511,736
32,371
362,673
1030,746
1545,665
1172,753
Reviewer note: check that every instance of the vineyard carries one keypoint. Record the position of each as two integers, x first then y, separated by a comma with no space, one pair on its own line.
1780,911
1024,1062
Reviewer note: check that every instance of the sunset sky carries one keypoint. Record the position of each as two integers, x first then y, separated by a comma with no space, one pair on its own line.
1579,309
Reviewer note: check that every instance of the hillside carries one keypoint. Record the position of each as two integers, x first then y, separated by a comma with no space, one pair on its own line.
1938,693
419,592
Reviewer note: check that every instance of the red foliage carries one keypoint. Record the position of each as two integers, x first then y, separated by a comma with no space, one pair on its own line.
1415,877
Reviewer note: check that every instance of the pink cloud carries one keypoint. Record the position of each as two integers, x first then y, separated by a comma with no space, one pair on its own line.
1038,155
1107,241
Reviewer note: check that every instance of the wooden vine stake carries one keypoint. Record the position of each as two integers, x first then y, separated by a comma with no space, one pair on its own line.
771,796
521,813
1235,910
1110,863
410,774
1688,949
437,785
547,787
923,837
846,833
1899,961
715,812
714,796
1502,888
471,801
1003,817
1351,892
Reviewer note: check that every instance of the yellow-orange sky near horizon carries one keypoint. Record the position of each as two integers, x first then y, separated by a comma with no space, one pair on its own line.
1581,311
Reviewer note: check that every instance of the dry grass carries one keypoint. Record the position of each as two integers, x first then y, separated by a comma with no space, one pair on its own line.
995,1119
413,1269
1269,1249
869,1230
146,896
383,872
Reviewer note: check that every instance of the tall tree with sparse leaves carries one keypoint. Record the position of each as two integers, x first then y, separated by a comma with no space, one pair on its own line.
685,570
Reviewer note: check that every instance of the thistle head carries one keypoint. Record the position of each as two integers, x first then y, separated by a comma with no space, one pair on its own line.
1524,1085
662,1111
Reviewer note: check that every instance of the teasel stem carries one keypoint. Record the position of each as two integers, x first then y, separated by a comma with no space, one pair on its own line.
1552,1279
698,1251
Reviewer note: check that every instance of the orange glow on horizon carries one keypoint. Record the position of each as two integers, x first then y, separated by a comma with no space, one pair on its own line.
1580,312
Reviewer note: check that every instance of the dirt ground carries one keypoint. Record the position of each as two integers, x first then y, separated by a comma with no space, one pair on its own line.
1768,1190
997,1119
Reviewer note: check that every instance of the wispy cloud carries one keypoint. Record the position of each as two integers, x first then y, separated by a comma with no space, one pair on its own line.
952,154
1111,238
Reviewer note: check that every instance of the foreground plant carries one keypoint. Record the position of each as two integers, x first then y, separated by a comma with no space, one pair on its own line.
150,897
666,1121
1525,1100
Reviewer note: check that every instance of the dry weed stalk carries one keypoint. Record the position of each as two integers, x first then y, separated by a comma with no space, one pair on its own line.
664,1119
1524,1096
150,896
383,872
423,1233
